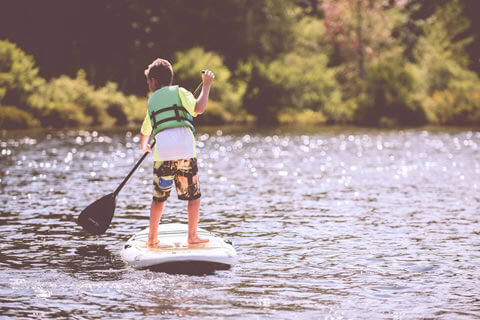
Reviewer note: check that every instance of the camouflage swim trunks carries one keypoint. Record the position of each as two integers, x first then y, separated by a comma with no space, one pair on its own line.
183,172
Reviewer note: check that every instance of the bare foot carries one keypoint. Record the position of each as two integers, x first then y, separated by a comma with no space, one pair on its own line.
196,240
158,245
153,244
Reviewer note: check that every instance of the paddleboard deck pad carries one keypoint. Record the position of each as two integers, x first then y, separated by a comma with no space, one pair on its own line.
175,255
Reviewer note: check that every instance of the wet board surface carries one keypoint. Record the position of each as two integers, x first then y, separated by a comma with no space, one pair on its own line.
174,253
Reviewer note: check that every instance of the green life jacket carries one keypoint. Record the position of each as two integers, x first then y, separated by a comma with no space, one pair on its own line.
166,110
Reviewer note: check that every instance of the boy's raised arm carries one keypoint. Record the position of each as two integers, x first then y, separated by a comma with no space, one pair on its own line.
207,78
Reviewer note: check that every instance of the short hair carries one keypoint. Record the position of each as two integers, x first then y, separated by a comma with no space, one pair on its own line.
161,70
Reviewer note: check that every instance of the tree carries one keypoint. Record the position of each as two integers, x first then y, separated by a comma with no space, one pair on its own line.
451,91
297,80
388,96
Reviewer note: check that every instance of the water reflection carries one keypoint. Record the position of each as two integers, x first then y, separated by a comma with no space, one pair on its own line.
95,262
333,222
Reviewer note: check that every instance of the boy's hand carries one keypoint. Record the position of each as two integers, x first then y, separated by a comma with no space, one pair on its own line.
147,148
207,80
208,77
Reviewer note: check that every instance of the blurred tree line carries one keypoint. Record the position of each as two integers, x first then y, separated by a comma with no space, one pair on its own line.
368,62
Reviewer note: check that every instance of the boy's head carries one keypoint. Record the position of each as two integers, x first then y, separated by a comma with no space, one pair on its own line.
159,74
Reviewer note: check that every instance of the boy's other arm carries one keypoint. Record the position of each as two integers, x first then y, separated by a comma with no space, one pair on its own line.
144,143
145,131
207,78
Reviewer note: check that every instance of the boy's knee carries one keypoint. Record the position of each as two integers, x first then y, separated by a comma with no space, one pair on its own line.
159,200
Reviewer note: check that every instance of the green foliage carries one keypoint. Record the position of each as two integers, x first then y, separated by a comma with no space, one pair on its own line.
293,81
262,94
454,107
298,80
189,64
61,101
226,90
111,104
14,118
342,113
442,35
135,108
270,26
307,82
440,58
309,33
66,101
388,96
457,100
215,115
449,91
120,37
329,61
18,75
307,116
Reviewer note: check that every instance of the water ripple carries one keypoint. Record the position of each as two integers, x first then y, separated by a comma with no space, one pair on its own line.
333,223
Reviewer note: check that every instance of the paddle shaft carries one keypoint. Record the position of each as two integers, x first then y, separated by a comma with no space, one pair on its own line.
199,85
115,193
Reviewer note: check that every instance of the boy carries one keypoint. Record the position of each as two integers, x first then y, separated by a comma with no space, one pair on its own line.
169,117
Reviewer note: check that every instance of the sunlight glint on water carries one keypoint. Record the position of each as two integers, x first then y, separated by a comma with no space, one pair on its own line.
329,223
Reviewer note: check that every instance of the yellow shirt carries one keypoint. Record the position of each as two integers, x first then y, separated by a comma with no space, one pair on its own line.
188,102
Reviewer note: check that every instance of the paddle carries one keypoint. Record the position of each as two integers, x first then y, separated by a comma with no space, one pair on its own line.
96,218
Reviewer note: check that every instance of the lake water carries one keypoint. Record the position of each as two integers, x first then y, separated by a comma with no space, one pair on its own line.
330,223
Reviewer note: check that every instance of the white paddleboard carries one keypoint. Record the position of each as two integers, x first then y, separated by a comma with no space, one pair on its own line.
175,255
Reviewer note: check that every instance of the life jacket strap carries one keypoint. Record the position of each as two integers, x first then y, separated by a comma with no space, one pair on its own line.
177,117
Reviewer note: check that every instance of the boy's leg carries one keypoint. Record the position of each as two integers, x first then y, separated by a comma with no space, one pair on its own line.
193,213
162,184
188,188
155,214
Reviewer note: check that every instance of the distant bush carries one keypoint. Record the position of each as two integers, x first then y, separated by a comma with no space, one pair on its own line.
388,96
292,116
214,115
113,105
263,94
14,118
60,102
454,106
342,113
65,101
293,82
450,92
295,85
18,75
